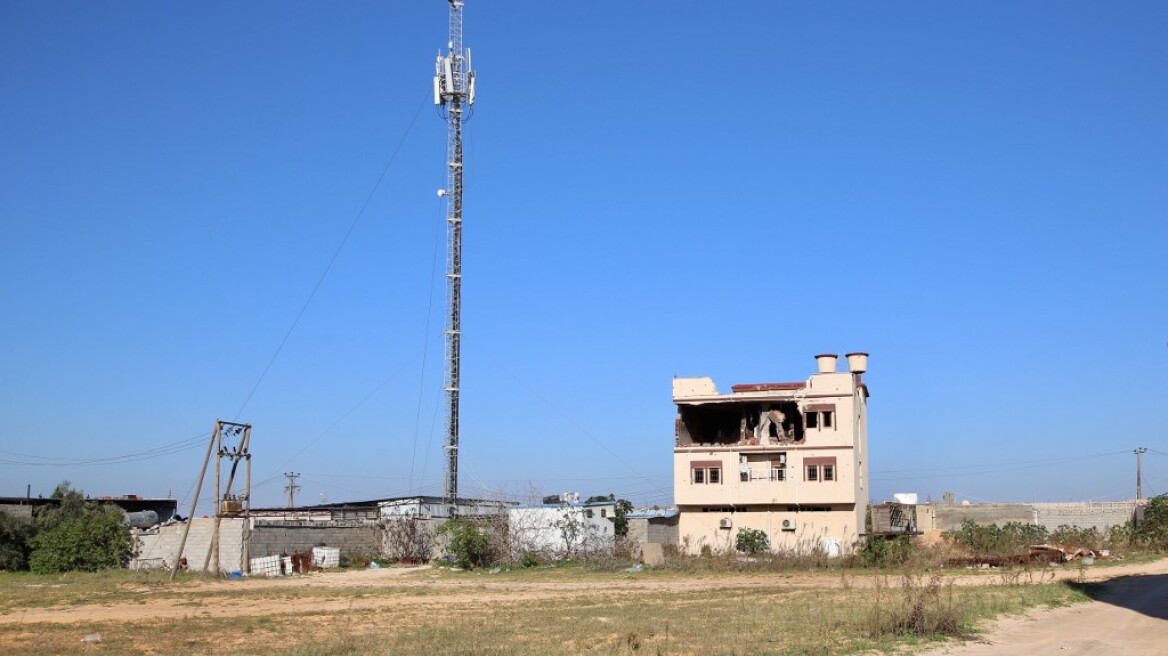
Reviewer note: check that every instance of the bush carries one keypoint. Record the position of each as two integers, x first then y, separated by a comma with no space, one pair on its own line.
88,542
1088,538
407,538
1152,533
469,544
886,552
752,541
78,534
15,534
1010,539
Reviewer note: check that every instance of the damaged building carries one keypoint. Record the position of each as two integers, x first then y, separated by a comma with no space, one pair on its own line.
789,459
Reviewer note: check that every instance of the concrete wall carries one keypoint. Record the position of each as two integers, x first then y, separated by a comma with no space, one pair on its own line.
806,531
542,529
353,539
17,510
1084,514
661,530
158,547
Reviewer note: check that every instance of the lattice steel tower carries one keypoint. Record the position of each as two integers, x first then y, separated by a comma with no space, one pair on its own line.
454,93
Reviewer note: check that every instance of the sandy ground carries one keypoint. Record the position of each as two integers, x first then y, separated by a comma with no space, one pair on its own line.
1139,606
1130,618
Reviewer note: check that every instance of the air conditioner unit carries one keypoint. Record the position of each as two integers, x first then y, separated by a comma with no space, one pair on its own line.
788,525
725,523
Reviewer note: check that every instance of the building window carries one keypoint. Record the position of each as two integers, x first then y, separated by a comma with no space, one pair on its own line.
820,416
829,472
707,475
604,512
706,472
588,513
813,472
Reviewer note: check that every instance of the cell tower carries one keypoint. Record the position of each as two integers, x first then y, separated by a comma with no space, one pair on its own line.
454,94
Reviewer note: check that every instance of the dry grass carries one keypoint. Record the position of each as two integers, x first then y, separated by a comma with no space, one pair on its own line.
673,613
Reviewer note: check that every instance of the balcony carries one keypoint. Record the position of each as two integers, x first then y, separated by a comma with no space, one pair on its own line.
763,475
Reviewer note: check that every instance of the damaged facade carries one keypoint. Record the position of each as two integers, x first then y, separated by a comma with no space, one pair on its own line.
786,458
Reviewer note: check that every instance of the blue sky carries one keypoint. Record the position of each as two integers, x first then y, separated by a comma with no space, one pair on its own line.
973,193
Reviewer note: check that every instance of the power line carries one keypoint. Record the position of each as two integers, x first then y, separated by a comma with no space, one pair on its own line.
332,260
574,423
157,452
1062,459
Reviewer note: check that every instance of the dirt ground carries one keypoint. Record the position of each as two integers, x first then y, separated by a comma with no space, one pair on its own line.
1134,613
1129,618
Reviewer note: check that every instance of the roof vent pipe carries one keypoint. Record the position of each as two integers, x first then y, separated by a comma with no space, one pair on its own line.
857,362
826,362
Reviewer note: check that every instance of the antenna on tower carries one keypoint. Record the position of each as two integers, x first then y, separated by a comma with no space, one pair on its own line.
454,94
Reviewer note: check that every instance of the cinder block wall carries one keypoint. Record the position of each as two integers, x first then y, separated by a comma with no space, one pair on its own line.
1085,514
275,539
1082,514
663,531
948,518
159,547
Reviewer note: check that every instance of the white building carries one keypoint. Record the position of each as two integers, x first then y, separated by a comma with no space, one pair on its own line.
562,530
432,507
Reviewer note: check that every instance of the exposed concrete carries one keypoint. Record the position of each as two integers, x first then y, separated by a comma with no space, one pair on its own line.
353,539
158,547
1084,514
652,553
662,530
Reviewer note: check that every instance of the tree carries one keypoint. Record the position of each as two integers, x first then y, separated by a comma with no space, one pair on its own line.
15,533
78,534
469,544
1153,530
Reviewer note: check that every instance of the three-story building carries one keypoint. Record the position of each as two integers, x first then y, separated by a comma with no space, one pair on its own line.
790,459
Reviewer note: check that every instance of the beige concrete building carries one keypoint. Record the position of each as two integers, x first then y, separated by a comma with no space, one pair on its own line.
790,459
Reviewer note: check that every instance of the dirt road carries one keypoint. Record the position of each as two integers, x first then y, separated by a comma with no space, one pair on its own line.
420,589
1130,617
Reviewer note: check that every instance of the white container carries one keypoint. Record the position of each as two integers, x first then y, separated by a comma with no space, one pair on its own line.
326,557
266,566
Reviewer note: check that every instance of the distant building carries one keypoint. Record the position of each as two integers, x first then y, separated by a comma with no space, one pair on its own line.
564,529
141,509
433,507
790,459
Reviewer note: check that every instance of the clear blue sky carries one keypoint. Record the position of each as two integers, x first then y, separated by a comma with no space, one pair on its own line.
974,193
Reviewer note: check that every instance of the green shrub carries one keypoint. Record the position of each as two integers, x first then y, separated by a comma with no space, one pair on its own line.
78,534
15,534
752,541
469,544
1089,538
93,540
1152,533
1010,539
886,552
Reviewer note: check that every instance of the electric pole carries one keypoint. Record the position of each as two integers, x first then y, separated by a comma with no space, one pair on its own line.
1140,472
454,94
291,488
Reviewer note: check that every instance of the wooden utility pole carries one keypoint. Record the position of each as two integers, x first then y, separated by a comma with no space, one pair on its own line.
225,504
195,501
